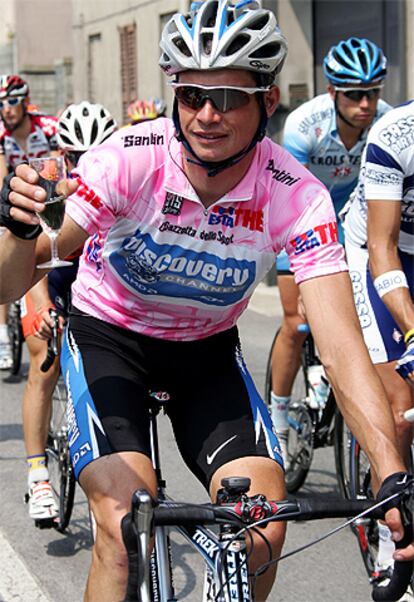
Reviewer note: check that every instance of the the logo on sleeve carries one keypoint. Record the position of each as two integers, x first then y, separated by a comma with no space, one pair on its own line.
315,237
93,250
88,194
399,135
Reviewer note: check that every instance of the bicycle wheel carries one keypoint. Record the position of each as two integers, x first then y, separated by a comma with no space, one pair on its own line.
161,575
300,438
365,529
342,446
60,468
15,332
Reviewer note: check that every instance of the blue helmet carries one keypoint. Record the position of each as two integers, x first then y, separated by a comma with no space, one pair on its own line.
355,61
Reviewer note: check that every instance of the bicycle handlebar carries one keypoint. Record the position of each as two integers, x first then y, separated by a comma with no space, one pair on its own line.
253,511
52,344
258,509
298,510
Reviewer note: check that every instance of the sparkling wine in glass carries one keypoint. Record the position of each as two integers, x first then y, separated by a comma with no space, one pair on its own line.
52,174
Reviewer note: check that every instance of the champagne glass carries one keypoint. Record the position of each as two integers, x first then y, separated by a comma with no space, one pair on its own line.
53,172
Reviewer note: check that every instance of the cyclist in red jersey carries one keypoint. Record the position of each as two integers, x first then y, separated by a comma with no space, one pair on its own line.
23,135
80,127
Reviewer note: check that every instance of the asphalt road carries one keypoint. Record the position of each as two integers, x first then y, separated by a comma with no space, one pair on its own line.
46,566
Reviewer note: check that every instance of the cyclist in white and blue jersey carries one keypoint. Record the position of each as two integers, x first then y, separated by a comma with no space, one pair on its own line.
327,134
379,237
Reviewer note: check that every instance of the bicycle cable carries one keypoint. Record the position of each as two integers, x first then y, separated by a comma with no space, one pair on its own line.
263,522
333,531
238,569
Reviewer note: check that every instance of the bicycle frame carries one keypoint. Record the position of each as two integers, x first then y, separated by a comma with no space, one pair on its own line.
226,563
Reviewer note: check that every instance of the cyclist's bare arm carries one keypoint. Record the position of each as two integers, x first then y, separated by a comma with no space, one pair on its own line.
18,258
358,390
384,220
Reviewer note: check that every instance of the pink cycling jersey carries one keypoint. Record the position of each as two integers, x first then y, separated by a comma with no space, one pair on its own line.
161,264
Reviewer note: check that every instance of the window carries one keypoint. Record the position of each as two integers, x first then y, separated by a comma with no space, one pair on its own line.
94,51
129,80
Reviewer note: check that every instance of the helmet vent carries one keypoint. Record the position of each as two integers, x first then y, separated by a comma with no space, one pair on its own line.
78,132
260,23
94,131
109,124
266,51
237,43
210,15
206,42
85,112
65,139
363,60
182,47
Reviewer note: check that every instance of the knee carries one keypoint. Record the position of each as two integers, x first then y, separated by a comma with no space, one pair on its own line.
403,427
290,327
274,533
36,376
109,547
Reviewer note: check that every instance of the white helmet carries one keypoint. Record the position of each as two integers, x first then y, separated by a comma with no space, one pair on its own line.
219,34
83,126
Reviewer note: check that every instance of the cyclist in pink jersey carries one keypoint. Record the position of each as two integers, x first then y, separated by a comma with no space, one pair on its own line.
195,211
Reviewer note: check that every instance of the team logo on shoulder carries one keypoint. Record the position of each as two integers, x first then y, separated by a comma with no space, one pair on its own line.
172,204
280,175
315,237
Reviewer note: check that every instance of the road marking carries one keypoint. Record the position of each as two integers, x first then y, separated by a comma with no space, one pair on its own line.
16,582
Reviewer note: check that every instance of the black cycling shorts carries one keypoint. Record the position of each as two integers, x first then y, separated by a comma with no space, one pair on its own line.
216,412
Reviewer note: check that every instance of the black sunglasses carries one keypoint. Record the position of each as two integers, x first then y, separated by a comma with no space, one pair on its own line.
357,94
225,98
74,156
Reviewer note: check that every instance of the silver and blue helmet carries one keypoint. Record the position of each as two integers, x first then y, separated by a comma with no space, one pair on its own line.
355,61
219,34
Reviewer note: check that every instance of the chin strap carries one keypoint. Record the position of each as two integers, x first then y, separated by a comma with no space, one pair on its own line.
215,167
338,112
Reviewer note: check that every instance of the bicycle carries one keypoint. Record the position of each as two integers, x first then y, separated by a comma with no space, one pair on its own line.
360,486
61,473
15,333
225,553
310,425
